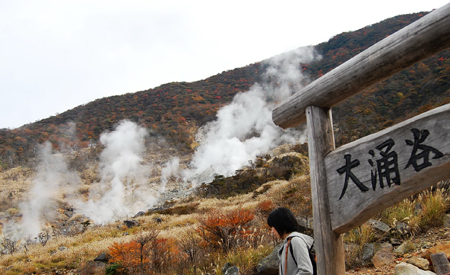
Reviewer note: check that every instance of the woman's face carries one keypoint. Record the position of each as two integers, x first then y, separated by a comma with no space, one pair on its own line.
274,231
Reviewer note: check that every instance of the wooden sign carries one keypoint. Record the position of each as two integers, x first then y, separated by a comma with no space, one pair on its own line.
380,170
351,184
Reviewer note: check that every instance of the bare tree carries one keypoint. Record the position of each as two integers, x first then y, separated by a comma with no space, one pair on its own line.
28,241
10,245
43,237
190,245
142,239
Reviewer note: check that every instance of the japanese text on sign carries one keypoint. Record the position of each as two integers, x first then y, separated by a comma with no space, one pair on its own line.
385,170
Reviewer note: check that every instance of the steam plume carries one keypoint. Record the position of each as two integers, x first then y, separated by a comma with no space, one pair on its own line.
51,177
244,129
123,189
171,169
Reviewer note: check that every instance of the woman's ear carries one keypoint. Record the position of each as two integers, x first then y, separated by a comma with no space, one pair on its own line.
275,232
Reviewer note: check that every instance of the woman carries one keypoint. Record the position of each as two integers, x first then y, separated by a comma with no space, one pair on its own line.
294,254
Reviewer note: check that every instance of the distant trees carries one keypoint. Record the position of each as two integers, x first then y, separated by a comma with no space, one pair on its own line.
171,110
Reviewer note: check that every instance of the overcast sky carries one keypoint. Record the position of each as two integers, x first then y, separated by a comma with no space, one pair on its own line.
56,55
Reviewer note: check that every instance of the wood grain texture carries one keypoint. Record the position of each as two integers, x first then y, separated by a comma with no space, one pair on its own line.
417,170
329,245
417,41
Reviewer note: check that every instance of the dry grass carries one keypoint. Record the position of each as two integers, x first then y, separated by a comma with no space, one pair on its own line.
14,185
433,206
85,247
420,212
78,248
176,224
246,259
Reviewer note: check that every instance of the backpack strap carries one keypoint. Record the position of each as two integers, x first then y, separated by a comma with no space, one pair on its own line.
286,257
292,251
313,261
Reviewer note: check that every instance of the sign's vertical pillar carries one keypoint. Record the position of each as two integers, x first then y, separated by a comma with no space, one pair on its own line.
329,245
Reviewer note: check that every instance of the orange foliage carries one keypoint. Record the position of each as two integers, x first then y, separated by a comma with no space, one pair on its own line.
128,255
225,230
157,255
265,207
167,252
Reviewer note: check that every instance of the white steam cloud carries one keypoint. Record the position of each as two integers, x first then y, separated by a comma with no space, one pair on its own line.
244,129
123,189
51,178
170,170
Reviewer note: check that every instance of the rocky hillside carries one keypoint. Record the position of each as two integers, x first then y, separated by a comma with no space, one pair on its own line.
179,179
182,236
175,111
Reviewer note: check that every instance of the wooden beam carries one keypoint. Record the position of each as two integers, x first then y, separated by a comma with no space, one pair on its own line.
417,41
329,245
380,170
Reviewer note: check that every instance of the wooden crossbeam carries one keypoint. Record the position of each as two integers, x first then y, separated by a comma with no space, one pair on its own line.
417,41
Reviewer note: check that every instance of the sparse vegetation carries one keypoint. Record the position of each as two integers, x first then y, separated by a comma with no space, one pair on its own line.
420,212
202,234
225,220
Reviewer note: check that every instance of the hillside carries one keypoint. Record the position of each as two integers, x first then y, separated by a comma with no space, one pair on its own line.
176,110
223,224
189,171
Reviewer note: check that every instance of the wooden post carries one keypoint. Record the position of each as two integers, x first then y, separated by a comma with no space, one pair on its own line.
329,245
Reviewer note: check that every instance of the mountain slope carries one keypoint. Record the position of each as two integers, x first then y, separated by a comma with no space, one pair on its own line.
174,111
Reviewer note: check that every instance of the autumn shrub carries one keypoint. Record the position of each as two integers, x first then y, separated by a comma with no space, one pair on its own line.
147,254
137,256
265,207
167,255
127,256
190,247
225,230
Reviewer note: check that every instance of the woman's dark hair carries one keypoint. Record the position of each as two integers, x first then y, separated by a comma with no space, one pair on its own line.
283,220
